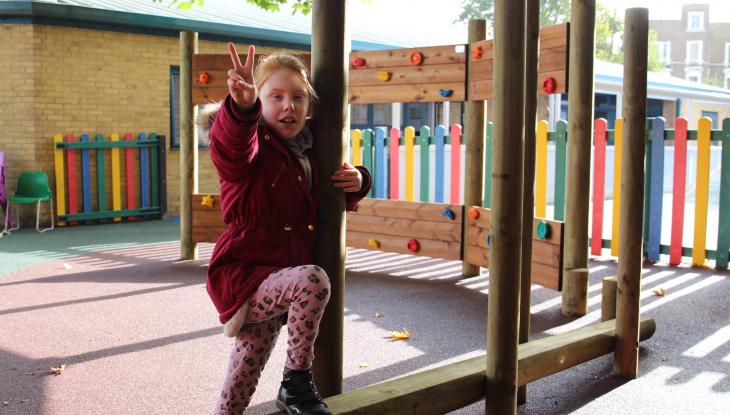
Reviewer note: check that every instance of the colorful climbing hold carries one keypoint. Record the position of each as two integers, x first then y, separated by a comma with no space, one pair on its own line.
413,245
208,201
474,213
549,85
489,239
384,76
477,52
358,62
374,243
543,230
203,78
416,58
446,92
448,213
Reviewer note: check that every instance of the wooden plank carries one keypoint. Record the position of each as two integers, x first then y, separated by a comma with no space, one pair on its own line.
116,179
481,69
541,169
206,234
482,88
394,166
554,36
380,186
547,276
100,176
129,174
455,385
71,176
406,93
367,155
432,55
409,138
439,140
678,197
208,218
553,59
222,62
86,177
542,251
702,191
204,95
723,233
409,210
60,179
423,74
428,247
476,255
618,144
656,192
609,286
423,144
556,227
455,187
356,152
144,173
376,225
599,184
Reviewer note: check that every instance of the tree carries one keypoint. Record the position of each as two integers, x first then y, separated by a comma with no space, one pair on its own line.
302,6
609,27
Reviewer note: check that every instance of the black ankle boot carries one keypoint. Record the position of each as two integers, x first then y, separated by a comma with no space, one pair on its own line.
298,395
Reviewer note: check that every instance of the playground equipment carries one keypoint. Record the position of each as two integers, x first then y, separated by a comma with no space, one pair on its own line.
506,366
149,182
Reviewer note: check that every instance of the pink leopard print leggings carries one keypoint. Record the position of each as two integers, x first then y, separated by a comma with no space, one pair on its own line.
303,292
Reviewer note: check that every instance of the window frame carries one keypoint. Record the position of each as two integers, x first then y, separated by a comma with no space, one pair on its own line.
701,21
688,59
665,45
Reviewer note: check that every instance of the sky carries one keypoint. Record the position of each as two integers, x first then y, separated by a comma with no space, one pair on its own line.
431,22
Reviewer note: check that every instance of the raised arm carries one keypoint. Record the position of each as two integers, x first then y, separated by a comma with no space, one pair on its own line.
233,137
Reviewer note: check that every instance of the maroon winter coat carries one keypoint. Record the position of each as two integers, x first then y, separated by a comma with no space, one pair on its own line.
266,204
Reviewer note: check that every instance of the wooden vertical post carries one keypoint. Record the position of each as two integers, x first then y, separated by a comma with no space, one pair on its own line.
506,221
475,125
532,35
188,145
580,120
330,50
626,354
608,298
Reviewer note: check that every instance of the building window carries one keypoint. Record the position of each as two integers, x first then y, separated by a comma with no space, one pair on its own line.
665,52
727,81
695,21
693,74
711,115
175,112
727,54
694,51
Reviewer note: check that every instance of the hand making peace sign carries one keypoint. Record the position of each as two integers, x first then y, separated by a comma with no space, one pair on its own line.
241,84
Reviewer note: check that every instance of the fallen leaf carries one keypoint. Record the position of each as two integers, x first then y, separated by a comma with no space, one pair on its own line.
57,370
399,335
378,315
6,403
67,266
661,292
363,364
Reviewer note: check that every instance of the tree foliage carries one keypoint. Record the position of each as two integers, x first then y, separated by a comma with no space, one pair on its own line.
298,6
608,34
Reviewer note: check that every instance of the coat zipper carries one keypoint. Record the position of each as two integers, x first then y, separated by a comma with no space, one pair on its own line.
276,179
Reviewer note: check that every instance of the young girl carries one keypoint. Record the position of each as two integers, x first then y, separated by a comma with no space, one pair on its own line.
260,276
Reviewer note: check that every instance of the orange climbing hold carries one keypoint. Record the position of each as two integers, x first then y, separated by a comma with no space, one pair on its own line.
416,58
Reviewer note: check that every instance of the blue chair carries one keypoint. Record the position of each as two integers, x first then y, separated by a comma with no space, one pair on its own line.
32,188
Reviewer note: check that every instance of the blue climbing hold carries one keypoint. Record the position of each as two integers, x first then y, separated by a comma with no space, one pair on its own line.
543,230
489,239
446,92
449,213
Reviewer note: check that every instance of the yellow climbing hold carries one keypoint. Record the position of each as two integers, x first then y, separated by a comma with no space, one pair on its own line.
384,76
208,201
374,243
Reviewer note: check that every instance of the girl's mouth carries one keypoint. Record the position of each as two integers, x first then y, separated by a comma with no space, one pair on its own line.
288,120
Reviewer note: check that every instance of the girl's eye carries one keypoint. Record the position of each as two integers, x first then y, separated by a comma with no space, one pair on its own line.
276,96
299,97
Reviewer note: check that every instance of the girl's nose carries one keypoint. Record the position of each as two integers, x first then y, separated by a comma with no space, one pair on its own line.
289,105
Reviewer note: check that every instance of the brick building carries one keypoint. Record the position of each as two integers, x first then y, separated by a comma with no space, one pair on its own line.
694,47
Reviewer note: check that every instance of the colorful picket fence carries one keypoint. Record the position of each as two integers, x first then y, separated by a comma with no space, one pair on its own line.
144,177
390,148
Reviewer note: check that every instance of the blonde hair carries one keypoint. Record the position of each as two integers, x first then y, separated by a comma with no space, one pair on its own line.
282,60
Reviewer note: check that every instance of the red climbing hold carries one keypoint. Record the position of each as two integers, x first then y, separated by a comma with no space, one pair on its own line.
550,85
413,245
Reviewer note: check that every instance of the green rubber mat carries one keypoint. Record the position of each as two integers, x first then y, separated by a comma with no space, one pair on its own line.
26,247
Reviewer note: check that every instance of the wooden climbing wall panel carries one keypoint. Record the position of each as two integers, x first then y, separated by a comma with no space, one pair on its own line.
429,74
216,67
207,221
394,225
547,247
552,72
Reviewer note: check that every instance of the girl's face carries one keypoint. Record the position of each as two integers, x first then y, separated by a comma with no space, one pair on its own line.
285,102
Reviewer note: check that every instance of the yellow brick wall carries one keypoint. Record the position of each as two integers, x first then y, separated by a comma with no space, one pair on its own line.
75,81
18,95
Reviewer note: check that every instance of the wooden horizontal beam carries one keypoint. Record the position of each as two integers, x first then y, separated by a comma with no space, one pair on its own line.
456,385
